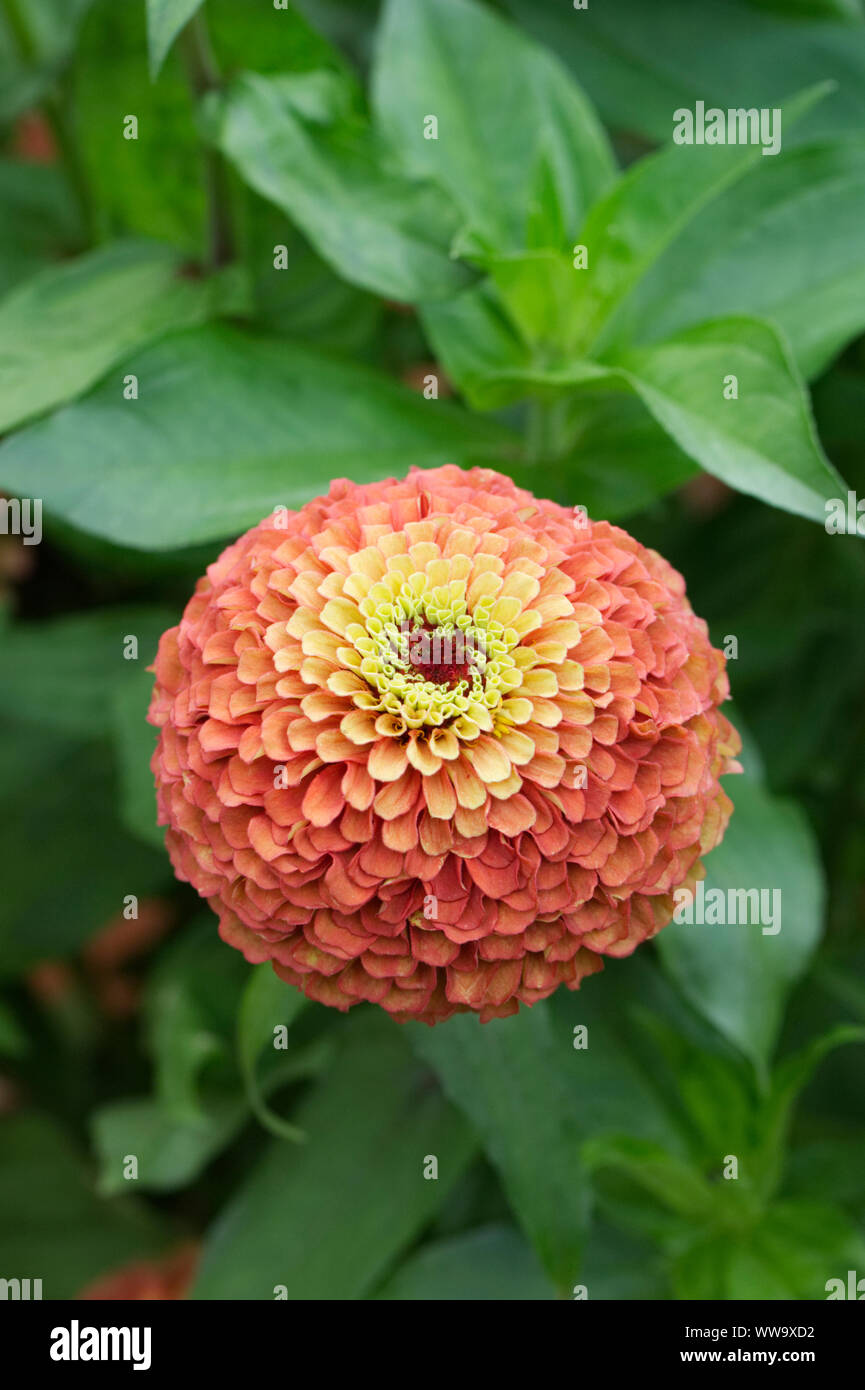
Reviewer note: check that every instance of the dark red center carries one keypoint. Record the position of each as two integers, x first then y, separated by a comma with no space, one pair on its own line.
437,647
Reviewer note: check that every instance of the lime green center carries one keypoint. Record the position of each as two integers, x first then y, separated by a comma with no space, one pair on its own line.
429,659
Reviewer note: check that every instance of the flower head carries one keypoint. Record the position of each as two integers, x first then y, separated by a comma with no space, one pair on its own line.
438,744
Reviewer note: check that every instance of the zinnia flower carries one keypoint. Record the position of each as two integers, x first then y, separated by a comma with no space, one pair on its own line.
439,745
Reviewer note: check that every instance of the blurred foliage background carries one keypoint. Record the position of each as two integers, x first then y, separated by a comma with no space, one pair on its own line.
282,262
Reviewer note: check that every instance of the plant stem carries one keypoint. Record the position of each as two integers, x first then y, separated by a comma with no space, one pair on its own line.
204,76
546,437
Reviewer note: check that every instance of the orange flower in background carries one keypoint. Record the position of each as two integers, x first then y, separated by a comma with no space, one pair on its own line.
439,745
169,1277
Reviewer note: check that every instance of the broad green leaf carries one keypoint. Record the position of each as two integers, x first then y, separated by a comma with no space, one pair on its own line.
268,1004
326,1219
39,224
492,1263
102,691
518,1084
536,290
153,185
52,1224
631,227
63,672
478,346
228,426
784,243
640,63
297,142
762,441
535,1097
739,975
307,301
165,19
62,331
171,1151
67,866
523,171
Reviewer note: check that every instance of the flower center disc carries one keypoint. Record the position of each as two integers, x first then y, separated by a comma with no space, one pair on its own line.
439,657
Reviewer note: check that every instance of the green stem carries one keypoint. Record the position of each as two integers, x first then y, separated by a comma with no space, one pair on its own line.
546,432
204,76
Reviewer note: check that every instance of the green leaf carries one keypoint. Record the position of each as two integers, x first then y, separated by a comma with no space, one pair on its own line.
535,1098
739,976
296,141
100,692
36,40
745,254
40,223
478,346
73,866
165,19
640,63
491,1263
762,442
536,289
523,172
307,301
788,1080
822,9
227,426
517,1083
791,1254
670,1180
171,1151
191,1004
64,672
174,1145
153,185
268,1003
646,210
61,331
52,1224
150,186
327,1218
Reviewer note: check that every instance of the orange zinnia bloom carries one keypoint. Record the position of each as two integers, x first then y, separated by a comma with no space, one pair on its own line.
440,745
